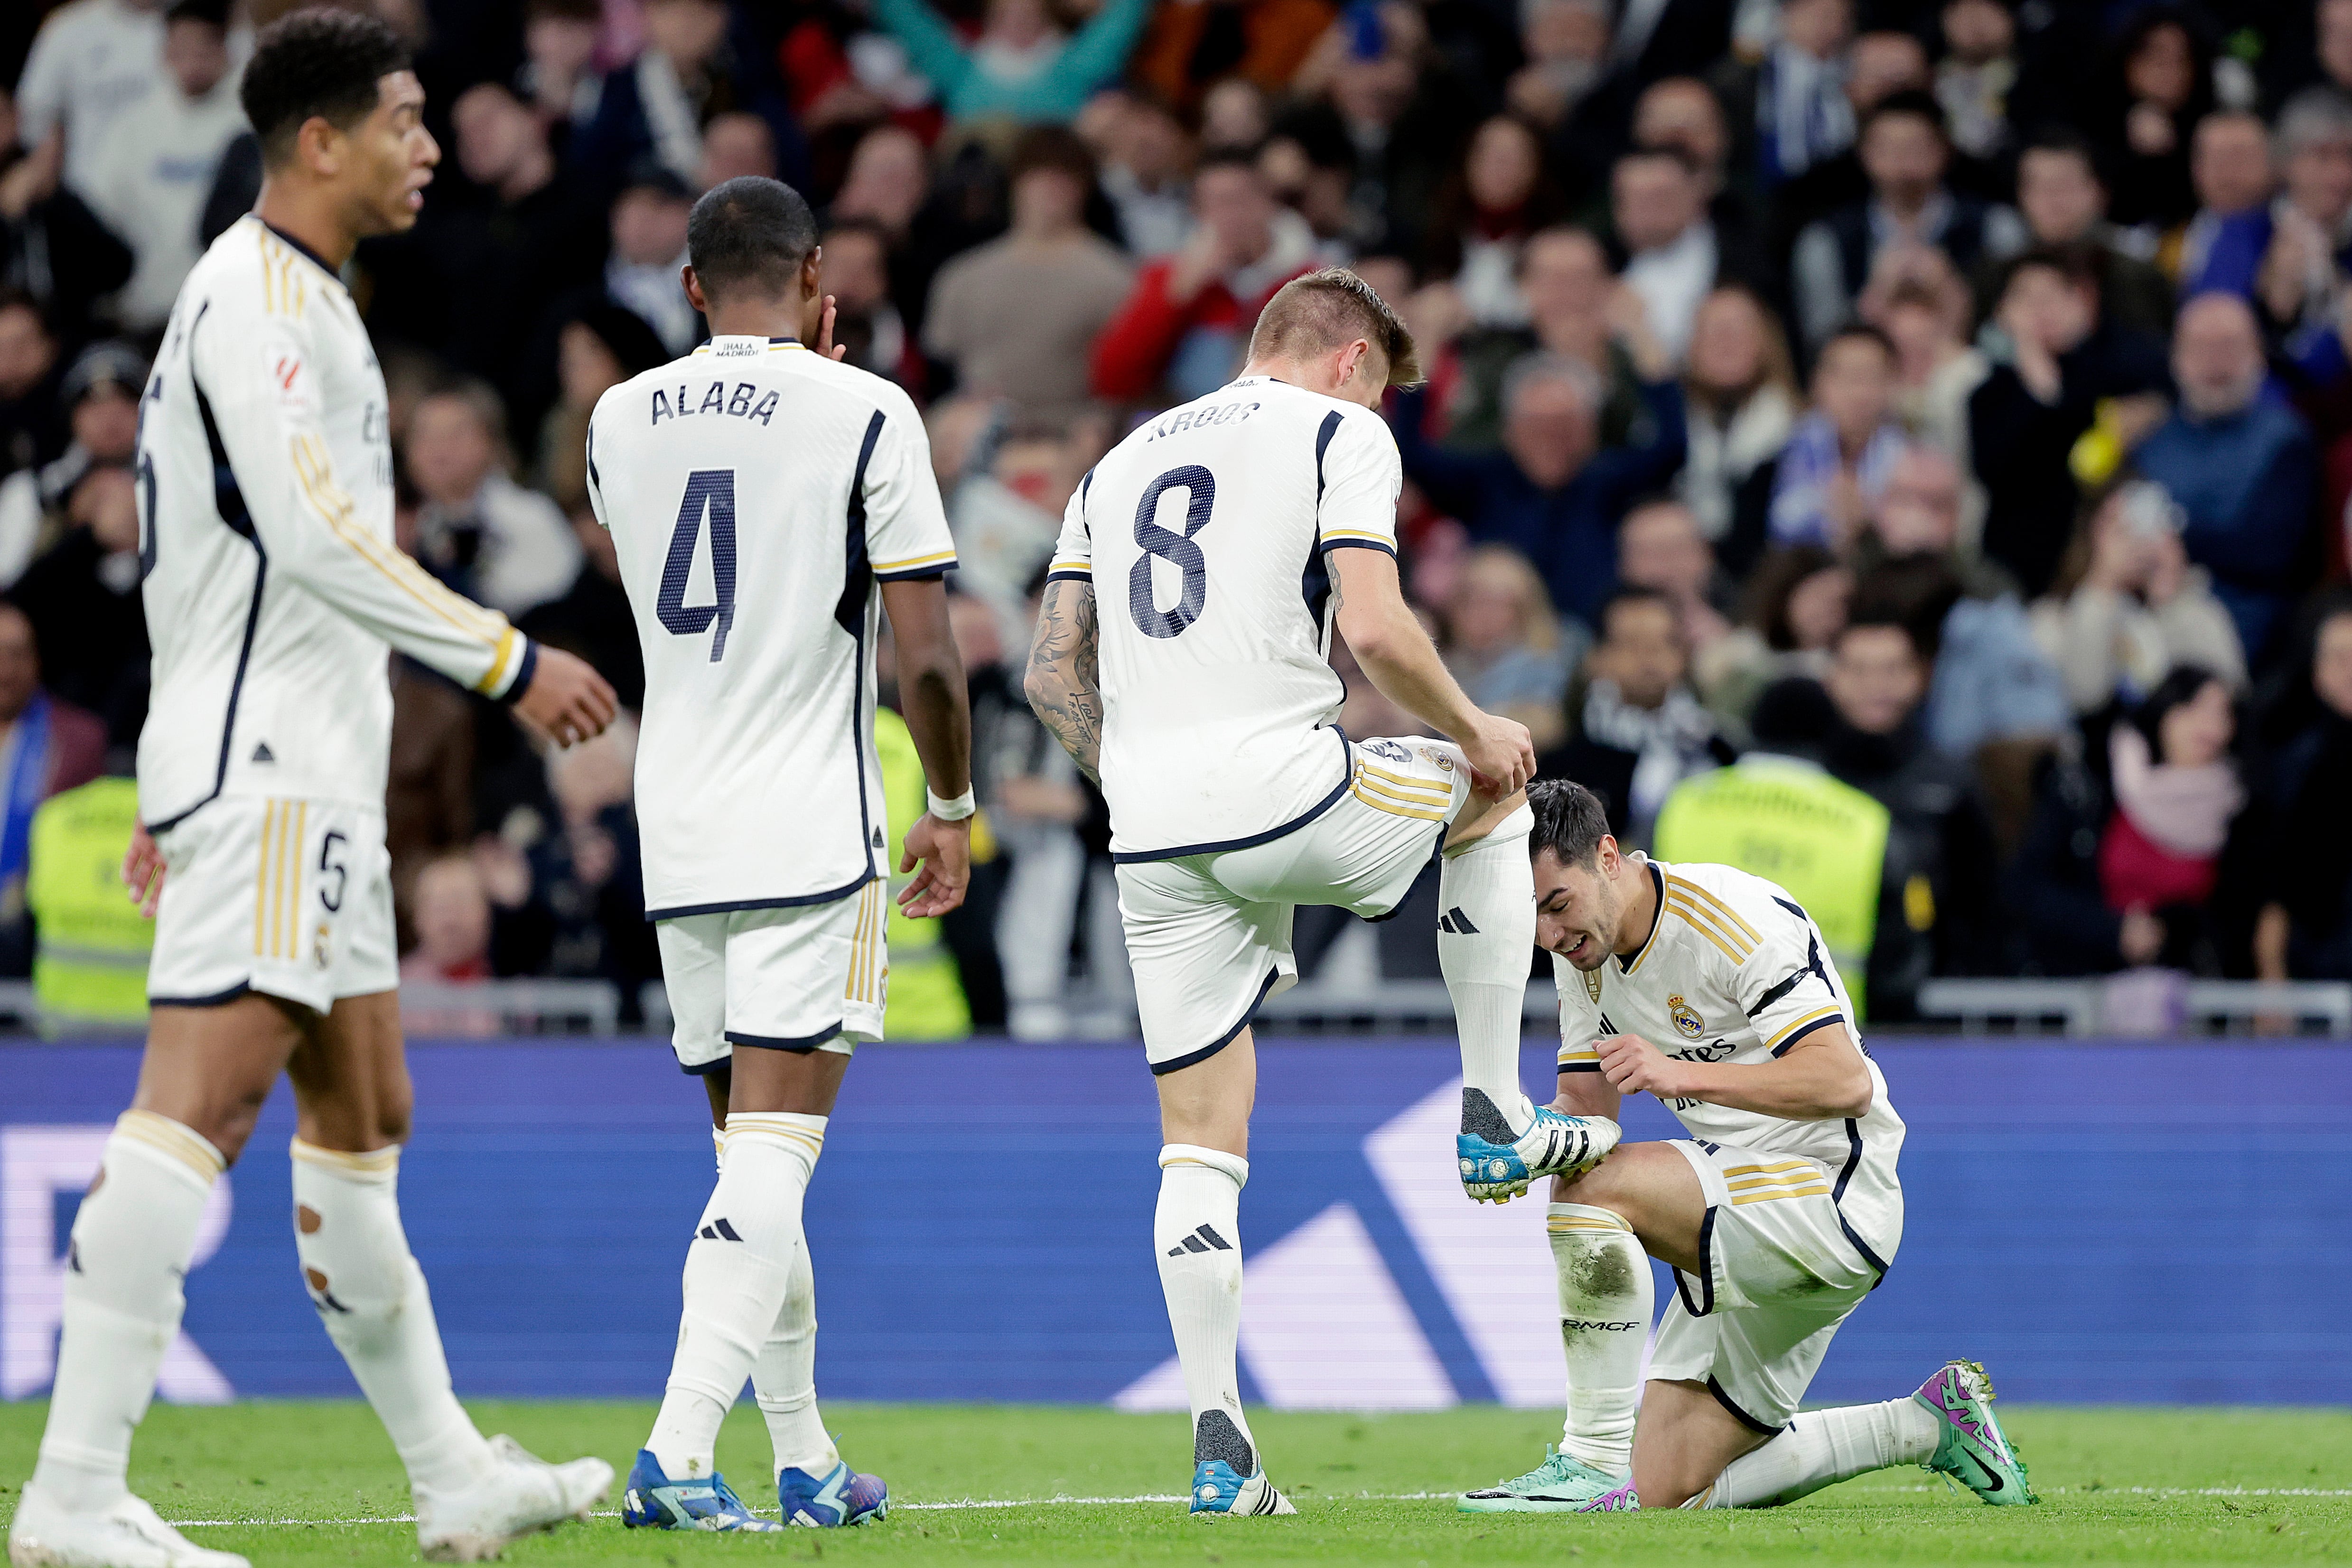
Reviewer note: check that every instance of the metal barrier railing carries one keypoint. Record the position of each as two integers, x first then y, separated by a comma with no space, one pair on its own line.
2115,1005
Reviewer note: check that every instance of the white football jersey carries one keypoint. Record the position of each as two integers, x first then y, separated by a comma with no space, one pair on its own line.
757,493
271,582
1204,534
1734,970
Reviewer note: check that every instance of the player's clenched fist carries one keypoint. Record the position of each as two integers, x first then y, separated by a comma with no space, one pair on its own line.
1501,752
1634,1065
567,698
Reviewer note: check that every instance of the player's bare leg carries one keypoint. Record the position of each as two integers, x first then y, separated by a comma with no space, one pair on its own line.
1485,941
353,1097
750,1310
1204,1112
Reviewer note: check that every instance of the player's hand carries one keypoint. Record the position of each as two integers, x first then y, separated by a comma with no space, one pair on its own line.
142,870
824,333
944,848
1634,1065
1502,754
567,701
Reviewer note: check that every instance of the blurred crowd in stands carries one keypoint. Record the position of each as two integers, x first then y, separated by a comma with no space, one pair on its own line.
1944,402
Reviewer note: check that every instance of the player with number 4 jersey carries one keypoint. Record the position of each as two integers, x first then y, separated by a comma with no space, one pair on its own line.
769,505
1182,657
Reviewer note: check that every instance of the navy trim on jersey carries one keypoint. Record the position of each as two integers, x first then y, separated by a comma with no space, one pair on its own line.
1192,1058
799,900
1577,1066
523,673
717,1064
1785,1046
1707,1269
850,612
1347,777
1837,1198
916,574
218,999
1322,443
309,255
1738,1413
1657,920
1067,577
228,502
1430,870
595,479
800,1044
1380,545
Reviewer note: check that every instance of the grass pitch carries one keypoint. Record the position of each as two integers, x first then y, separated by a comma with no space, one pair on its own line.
318,1484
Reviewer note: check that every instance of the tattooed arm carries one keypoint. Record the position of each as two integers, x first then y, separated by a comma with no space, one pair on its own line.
1065,680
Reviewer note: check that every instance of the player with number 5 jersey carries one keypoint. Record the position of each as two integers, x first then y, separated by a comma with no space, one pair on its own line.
1183,657
769,506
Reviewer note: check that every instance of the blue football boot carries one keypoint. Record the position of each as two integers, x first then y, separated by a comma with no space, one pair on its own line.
653,1501
839,1497
1227,1479
1497,1167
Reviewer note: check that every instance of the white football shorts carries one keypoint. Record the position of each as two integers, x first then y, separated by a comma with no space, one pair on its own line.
1779,1273
290,897
1209,935
808,977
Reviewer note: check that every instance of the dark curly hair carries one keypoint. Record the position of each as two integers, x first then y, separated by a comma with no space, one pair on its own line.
1571,822
319,61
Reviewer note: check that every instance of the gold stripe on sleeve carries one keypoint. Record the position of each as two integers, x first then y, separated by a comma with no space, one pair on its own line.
1815,1016
1705,897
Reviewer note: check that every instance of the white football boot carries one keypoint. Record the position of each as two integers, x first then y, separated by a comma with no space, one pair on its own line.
518,1494
125,1534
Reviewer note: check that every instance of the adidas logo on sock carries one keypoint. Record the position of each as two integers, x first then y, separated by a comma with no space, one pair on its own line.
1453,923
718,1230
1205,1239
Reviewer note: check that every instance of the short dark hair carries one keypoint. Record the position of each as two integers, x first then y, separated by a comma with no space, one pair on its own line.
1624,595
2077,263
1320,312
1858,331
1882,620
1571,822
210,13
2067,143
1918,103
2182,683
1053,147
1661,152
317,62
749,233
1241,158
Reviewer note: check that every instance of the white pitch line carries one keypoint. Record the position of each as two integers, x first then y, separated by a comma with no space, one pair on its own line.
1068,1502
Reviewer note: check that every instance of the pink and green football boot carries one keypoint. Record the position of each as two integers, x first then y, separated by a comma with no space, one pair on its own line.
1972,1448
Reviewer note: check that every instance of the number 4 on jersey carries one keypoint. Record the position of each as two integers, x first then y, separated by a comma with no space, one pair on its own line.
711,490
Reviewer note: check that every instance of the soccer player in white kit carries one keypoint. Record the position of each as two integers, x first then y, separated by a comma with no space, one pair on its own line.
1182,657
769,506
272,589
1713,990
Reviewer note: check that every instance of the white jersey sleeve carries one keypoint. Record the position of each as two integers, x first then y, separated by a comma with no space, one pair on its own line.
1073,550
906,526
254,361
1362,478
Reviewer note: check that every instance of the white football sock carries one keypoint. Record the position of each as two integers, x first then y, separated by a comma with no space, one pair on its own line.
1196,1231
371,1296
784,1379
1822,1447
132,1241
738,1272
1606,1293
1486,940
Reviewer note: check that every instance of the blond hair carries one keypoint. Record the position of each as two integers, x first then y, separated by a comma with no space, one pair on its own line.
1330,309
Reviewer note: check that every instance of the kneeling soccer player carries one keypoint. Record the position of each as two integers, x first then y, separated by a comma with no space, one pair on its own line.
1779,1214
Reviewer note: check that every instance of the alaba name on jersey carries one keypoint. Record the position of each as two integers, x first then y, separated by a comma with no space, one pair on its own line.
269,575
1734,970
756,494
1204,533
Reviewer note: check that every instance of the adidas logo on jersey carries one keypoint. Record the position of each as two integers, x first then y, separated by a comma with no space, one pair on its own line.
1205,1239
262,753
1453,923
718,1230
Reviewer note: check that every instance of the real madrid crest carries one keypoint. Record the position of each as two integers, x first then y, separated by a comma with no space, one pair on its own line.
1687,1023
1593,983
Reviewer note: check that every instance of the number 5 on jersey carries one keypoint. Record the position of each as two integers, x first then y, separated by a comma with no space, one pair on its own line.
711,491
